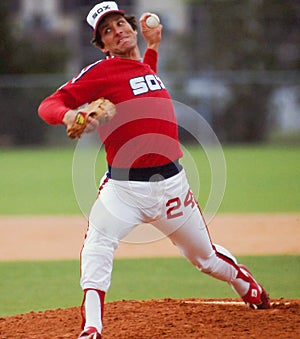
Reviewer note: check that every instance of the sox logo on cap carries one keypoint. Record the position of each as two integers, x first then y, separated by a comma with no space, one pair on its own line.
99,11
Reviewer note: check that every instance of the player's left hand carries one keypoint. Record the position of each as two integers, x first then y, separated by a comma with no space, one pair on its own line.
87,120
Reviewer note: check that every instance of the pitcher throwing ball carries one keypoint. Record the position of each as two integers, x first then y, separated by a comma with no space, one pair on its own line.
145,182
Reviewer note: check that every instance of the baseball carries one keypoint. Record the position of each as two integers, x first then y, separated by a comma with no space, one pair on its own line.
152,21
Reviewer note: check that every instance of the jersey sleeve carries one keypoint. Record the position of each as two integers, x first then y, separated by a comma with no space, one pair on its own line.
151,58
75,93
53,109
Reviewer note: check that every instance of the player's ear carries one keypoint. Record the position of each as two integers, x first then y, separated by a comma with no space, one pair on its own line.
104,50
102,47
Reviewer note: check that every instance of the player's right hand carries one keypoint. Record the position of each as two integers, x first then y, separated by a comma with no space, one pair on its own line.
152,36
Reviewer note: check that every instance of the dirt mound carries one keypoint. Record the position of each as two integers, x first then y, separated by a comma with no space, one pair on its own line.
167,318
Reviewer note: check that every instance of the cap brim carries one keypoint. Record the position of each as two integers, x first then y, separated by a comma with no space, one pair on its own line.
105,15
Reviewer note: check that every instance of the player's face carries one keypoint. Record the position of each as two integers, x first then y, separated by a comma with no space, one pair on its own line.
118,36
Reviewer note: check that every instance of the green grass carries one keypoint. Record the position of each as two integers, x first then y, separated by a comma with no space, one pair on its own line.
27,286
37,182
259,179
36,286
262,179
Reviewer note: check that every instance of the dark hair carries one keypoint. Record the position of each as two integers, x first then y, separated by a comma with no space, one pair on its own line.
97,39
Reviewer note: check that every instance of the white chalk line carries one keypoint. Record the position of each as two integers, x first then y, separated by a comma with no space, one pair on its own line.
219,302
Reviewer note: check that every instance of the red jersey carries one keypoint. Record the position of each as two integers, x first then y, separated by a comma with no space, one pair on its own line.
144,132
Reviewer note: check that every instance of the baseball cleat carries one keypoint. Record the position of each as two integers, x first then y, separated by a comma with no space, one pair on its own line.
90,333
257,297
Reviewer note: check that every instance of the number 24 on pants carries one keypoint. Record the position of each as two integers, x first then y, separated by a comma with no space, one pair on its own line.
175,205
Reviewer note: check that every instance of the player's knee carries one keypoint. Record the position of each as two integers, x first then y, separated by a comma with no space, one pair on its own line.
206,265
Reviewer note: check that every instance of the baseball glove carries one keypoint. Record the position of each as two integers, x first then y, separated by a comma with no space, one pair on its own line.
101,109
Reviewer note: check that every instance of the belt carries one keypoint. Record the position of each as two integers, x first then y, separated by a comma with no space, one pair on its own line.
156,173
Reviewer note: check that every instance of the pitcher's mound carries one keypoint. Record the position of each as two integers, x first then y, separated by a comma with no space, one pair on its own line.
166,318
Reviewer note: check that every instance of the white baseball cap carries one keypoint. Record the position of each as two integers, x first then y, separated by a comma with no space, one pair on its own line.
99,11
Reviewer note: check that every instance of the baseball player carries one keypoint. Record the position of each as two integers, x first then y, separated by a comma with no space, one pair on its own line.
145,182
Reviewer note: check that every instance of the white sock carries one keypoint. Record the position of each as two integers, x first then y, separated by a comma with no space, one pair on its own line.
93,310
240,286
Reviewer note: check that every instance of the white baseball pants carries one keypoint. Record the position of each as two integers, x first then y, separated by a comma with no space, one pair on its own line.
170,206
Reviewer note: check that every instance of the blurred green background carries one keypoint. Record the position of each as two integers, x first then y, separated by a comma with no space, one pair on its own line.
236,63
